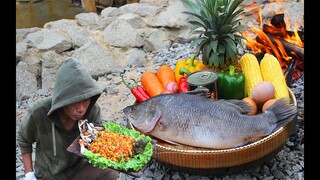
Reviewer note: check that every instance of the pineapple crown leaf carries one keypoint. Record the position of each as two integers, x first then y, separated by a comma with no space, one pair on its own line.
230,35
235,22
239,39
199,20
231,18
213,60
214,46
210,7
231,52
229,43
205,54
231,7
204,43
239,28
221,59
216,59
229,40
226,28
198,32
213,37
221,48
197,24
197,41
191,5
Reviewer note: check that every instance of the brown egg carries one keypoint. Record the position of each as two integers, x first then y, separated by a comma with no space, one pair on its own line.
267,104
263,91
252,103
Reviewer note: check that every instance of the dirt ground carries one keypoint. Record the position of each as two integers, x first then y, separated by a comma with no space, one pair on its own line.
114,99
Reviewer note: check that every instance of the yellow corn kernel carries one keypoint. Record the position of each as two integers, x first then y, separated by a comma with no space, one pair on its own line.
251,70
271,71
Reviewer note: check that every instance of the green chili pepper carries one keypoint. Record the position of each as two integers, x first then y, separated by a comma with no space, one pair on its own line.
231,84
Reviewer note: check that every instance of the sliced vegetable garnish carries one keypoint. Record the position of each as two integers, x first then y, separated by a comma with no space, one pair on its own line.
135,163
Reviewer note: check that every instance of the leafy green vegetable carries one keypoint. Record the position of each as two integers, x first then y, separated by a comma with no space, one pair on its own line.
135,163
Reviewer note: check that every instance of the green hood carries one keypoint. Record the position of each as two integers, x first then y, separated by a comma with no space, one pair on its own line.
73,84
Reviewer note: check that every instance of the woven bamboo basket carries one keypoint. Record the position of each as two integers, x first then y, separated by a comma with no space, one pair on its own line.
204,161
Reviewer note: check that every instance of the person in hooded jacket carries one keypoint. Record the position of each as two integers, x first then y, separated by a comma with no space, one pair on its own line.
52,124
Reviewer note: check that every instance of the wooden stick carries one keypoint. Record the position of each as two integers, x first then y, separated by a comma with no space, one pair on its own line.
89,5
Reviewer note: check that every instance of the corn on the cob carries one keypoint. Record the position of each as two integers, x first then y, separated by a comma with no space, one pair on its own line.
271,71
251,69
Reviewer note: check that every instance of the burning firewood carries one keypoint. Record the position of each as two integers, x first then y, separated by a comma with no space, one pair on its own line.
287,46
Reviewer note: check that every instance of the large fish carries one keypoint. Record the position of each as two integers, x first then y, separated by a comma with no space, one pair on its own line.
199,121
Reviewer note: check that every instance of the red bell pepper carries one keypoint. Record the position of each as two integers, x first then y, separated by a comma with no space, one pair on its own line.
183,85
138,91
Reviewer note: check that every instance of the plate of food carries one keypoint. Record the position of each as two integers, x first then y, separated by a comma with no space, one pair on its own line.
113,146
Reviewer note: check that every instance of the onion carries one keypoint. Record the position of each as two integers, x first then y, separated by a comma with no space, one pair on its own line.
166,92
172,86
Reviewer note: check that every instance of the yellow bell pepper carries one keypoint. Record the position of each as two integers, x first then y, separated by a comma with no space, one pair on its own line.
184,68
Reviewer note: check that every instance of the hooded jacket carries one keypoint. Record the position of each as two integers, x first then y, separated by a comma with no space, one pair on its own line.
42,124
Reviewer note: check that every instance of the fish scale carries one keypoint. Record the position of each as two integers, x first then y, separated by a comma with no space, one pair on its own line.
195,120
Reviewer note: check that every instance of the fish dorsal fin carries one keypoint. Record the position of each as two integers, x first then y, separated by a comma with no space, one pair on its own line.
198,91
242,106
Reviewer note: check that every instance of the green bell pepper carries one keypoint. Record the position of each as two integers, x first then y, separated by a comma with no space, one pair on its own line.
231,84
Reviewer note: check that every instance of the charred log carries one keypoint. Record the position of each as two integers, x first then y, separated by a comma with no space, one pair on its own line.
289,47
281,32
278,21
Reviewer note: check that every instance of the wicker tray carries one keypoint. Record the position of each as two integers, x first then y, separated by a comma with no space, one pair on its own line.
226,161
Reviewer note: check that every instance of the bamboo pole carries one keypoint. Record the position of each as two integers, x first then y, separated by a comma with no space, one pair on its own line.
89,5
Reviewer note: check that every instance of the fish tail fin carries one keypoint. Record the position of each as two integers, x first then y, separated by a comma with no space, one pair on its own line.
284,111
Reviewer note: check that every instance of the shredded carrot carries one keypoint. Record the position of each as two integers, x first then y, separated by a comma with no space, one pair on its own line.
112,146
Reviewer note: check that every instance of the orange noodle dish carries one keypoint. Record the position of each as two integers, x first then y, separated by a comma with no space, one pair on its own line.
117,147
113,146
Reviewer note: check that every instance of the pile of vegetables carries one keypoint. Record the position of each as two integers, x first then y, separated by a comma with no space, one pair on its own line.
166,79
259,84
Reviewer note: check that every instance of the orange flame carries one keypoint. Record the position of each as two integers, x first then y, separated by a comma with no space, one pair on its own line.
277,34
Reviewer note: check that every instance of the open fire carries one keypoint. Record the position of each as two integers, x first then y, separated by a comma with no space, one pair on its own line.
273,37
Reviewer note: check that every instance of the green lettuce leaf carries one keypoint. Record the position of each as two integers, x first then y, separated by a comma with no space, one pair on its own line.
134,164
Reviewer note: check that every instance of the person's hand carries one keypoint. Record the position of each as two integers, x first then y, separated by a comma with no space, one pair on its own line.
30,176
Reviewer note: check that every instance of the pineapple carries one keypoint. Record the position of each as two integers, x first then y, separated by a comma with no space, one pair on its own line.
218,24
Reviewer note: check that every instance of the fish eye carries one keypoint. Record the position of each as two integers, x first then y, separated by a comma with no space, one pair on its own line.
131,109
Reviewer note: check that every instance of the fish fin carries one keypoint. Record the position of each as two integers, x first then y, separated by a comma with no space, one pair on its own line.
174,143
283,110
252,139
242,106
249,140
151,120
198,91
161,126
